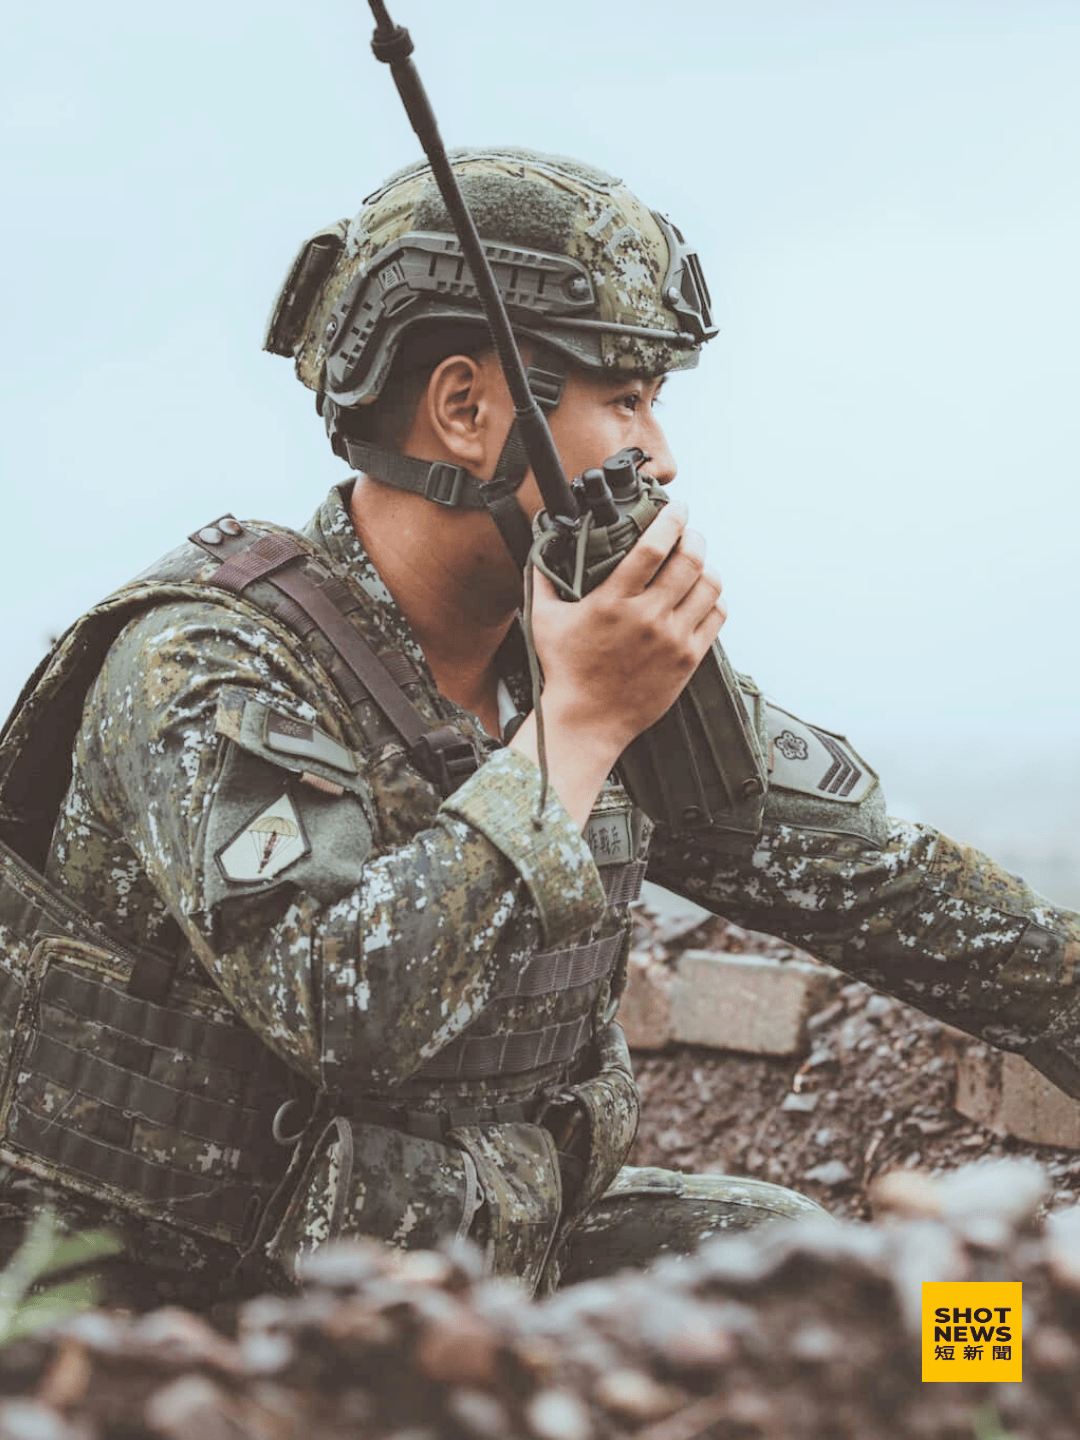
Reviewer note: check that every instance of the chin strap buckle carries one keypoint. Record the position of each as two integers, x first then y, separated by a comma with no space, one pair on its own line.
546,386
445,483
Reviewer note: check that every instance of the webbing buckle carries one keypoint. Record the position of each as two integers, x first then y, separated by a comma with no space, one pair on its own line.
449,756
546,386
445,483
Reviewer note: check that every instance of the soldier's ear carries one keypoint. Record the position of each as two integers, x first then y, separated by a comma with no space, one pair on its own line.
468,410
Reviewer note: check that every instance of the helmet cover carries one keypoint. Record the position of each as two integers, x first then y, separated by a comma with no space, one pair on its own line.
582,264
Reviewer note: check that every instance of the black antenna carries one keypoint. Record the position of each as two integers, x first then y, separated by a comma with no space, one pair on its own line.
392,44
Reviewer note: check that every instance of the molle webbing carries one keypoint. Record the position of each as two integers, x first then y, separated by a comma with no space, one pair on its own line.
551,970
308,604
111,1095
30,907
174,1196
622,883
156,1025
127,1093
509,1053
514,1052
71,1112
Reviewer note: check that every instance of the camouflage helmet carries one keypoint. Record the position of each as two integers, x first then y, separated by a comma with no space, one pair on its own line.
583,266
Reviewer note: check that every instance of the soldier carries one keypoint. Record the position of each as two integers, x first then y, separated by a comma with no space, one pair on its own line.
355,981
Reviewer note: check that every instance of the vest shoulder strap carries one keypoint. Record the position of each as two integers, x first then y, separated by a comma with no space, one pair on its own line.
300,592
304,595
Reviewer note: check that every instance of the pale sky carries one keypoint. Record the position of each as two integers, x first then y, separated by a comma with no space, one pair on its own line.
881,445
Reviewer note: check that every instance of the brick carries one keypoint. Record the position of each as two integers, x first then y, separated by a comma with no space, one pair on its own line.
645,1008
746,1002
1009,1096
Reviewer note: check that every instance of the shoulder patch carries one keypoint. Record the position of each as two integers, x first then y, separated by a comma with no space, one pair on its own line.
814,762
265,845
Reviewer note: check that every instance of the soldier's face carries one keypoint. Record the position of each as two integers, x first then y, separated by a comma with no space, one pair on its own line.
598,417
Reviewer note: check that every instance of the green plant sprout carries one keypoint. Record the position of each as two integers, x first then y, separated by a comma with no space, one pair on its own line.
47,1250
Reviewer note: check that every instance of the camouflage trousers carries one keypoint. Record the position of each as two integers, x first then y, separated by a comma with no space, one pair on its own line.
643,1215
648,1213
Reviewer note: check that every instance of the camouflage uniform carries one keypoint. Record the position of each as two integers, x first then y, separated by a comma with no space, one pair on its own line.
230,807
390,924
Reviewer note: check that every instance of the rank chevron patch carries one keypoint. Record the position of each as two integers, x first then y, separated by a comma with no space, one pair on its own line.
813,761
843,774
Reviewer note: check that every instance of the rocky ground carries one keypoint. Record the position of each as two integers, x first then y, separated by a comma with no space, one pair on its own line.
796,1333
873,1094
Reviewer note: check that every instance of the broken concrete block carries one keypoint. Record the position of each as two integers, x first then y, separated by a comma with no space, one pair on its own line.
746,1002
1009,1096
645,1008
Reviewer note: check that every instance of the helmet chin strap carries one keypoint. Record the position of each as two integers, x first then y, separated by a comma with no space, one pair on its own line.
451,485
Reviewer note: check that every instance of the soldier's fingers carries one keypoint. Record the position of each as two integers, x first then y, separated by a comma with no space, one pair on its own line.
639,569
718,607
681,571
707,629
703,599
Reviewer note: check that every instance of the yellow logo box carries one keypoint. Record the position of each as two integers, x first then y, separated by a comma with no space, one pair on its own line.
972,1330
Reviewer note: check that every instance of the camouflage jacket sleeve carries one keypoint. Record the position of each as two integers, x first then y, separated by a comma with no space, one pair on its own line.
900,905
325,892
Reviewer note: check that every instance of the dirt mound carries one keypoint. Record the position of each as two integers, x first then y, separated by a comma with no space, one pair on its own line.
798,1331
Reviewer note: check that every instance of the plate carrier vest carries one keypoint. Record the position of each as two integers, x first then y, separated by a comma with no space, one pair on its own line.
60,967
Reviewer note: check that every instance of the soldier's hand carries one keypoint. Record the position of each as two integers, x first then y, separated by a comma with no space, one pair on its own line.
616,660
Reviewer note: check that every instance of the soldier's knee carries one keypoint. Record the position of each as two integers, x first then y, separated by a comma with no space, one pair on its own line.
751,1202
648,1212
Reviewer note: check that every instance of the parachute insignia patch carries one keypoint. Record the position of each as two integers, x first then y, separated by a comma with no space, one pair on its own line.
266,845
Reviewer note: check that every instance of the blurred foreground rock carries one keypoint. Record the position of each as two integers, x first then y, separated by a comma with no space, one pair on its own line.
809,1330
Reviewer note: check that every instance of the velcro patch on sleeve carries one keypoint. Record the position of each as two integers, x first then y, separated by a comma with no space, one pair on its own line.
814,762
290,807
287,736
288,742
264,846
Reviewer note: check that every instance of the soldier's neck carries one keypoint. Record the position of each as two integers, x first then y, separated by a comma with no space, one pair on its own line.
456,588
